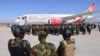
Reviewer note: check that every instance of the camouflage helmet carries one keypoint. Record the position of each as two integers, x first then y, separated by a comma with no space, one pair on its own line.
42,33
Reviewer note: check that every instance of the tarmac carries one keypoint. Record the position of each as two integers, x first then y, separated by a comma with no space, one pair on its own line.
86,45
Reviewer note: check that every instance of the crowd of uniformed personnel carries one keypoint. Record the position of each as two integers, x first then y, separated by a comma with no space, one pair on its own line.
20,47
57,29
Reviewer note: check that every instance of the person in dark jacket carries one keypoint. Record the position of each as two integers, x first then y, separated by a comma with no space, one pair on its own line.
18,46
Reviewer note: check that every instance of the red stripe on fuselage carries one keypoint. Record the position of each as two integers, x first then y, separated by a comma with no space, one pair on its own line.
78,20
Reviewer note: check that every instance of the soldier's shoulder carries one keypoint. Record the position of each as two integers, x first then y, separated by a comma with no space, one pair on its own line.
51,44
25,41
72,40
36,46
62,42
10,40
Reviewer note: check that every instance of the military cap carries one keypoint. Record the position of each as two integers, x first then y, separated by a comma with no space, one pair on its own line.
42,33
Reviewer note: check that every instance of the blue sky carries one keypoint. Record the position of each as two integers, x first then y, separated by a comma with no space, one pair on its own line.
11,9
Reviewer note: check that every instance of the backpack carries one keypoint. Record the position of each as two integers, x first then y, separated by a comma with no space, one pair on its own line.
69,49
18,49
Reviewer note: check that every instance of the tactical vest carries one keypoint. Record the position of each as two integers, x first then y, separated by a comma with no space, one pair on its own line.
17,50
69,49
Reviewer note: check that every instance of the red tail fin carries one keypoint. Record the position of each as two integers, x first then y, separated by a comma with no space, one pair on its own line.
91,8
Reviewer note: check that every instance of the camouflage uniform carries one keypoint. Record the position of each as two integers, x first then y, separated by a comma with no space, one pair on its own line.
17,41
44,48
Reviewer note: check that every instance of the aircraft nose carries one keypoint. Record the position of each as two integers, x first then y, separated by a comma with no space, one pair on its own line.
17,20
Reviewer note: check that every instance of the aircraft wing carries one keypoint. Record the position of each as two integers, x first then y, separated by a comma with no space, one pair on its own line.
77,15
92,18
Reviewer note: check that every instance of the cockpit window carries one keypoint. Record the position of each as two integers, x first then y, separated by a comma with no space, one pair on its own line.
24,17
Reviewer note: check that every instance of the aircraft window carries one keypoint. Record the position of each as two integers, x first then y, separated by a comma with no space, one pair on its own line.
23,18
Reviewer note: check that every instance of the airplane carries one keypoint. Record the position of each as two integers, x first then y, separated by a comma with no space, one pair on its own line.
30,19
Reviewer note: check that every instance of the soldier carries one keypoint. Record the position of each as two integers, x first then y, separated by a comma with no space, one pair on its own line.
72,28
43,48
83,29
66,47
58,30
28,29
89,28
47,29
77,29
33,29
99,26
17,46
